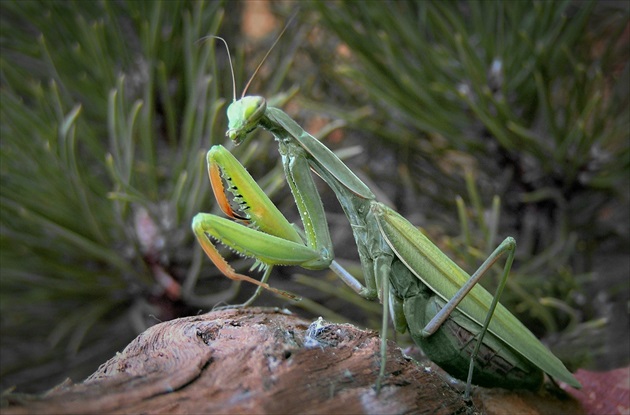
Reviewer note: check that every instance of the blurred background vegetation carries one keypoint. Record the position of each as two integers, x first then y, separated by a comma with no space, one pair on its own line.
108,108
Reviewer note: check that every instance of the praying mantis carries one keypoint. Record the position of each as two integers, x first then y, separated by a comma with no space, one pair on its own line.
459,325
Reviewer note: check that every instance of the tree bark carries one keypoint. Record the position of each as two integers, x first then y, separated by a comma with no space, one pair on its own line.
263,361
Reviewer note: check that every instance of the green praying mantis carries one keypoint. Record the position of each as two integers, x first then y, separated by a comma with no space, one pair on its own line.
459,325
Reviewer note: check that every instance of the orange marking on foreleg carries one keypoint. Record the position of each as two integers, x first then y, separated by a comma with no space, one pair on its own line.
219,191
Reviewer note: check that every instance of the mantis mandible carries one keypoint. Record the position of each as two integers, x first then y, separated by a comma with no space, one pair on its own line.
459,325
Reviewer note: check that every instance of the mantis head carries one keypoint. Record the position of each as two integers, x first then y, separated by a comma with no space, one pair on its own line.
244,116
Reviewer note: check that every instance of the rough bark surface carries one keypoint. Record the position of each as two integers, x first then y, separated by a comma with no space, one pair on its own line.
263,361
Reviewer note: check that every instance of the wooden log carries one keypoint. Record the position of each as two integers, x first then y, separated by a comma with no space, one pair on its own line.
260,361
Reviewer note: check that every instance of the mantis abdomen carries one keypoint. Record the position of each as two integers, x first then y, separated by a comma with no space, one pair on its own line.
451,346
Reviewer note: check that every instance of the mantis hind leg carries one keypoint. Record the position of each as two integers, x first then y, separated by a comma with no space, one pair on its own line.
507,246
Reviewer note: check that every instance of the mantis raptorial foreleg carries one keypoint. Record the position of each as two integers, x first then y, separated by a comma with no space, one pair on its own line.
264,233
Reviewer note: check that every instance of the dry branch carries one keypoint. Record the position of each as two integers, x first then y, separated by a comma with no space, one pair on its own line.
261,361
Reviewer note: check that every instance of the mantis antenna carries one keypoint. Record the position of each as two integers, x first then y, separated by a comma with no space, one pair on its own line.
259,65
229,60
267,54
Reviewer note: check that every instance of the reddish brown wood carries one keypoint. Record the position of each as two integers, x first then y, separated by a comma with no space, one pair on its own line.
254,361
